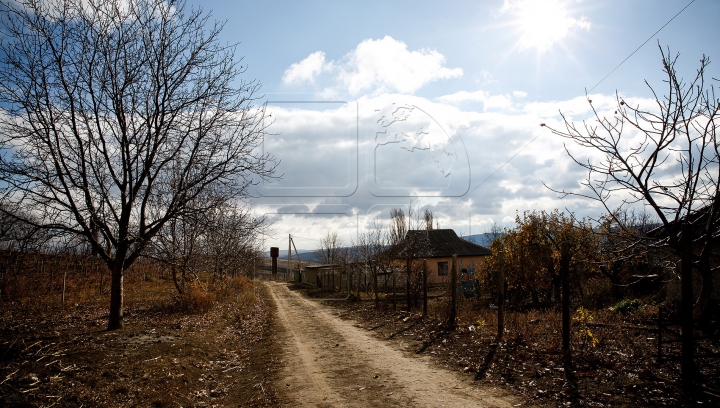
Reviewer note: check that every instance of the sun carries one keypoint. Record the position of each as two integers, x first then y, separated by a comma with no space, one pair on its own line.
542,23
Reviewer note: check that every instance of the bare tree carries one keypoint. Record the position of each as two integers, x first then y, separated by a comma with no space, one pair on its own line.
330,248
404,245
371,248
672,168
116,115
231,239
178,245
428,218
398,227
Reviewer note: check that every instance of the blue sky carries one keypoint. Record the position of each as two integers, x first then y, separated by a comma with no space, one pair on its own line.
462,87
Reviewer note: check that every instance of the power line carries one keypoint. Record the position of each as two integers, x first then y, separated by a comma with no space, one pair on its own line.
641,45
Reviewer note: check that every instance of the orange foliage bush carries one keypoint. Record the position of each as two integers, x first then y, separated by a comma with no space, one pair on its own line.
195,299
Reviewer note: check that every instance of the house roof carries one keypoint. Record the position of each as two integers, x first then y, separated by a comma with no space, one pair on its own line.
698,220
438,243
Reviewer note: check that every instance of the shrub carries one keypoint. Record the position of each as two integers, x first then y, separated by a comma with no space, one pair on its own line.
195,299
628,306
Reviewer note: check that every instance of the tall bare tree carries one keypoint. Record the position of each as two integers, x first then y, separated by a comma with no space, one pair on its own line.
330,248
371,248
672,168
116,115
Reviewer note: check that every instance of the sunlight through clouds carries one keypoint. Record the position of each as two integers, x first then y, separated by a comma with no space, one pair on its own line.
542,23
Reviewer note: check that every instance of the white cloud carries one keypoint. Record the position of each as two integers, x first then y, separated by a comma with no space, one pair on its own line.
307,69
519,94
489,101
376,66
387,63
427,154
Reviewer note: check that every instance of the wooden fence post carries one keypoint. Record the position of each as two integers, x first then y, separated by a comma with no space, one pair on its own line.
501,295
376,290
565,277
407,282
425,271
453,294
394,291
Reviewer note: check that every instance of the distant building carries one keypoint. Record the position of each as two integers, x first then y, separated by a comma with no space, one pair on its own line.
438,246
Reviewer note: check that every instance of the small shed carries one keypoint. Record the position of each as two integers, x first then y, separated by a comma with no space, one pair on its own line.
312,273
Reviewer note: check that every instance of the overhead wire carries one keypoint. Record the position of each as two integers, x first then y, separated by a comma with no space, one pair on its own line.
641,45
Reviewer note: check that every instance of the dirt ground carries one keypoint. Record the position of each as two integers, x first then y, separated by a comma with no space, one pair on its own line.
273,344
330,362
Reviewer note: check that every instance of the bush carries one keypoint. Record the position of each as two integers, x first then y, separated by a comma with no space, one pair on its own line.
195,300
628,306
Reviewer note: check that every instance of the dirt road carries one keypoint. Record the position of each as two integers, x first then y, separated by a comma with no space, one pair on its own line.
331,363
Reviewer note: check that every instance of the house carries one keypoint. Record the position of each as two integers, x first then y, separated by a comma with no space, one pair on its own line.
438,246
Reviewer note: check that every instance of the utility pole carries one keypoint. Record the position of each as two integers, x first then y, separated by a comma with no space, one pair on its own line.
289,263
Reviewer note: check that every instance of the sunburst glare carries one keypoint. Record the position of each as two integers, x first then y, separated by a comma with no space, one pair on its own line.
542,23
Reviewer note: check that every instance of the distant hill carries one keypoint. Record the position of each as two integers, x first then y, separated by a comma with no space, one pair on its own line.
485,239
309,255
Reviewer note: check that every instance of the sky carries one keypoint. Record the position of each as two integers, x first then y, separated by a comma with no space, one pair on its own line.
376,105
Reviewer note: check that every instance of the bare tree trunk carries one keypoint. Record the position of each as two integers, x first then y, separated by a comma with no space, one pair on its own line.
115,321
173,270
687,364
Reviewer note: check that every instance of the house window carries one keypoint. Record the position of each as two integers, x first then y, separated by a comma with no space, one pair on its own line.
442,268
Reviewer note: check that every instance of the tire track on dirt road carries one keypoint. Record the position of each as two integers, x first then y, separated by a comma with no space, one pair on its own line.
331,363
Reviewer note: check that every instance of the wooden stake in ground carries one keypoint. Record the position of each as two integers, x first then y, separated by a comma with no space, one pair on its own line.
394,292
565,277
425,270
453,294
407,282
501,295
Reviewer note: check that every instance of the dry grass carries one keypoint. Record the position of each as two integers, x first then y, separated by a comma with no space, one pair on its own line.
212,347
